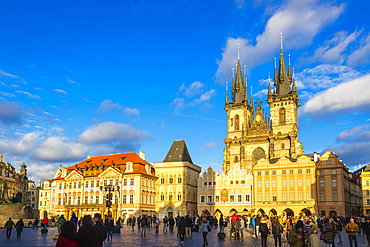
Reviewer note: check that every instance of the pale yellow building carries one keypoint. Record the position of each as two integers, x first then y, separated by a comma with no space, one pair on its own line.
177,183
364,174
225,193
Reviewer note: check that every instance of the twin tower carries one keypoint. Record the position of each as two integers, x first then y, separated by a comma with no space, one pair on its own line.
251,134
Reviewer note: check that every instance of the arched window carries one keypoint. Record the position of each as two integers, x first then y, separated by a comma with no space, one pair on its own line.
170,196
282,146
282,115
237,122
179,196
171,180
162,197
179,180
162,180
236,159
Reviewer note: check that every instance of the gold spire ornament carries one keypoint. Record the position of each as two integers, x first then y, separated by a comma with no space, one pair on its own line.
281,40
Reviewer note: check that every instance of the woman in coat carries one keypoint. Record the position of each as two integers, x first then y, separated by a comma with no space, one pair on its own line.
67,226
264,230
327,233
312,240
204,231
182,228
19,227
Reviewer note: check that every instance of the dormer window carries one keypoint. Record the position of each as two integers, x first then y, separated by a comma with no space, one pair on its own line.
129,167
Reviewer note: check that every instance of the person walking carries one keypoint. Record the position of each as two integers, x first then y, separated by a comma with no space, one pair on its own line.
144,223
182,229
68,227
334,230
311,232
36,224
242,224
366,228
327,233
254,226
133,221
352,229
171,223
237,226
188,226
277,230
258,222
101,227
9,226
204,228
45,223
295,236
264,230
165,223
74,218
19,227
156,224
109,225
60,222
339,229
221,222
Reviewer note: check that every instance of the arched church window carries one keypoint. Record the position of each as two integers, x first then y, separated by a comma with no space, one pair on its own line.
171,180
258,154
162,197
282,115
282,146
179,196
170,196
237,122
236,159
179,180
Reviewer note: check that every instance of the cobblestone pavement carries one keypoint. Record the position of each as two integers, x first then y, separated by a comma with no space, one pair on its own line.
128,237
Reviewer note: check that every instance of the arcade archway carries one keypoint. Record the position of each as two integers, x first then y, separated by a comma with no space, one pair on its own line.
272,212
261,212
288,212
305,212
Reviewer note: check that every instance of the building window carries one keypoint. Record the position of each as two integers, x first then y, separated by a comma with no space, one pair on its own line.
274,197
179,196
335,197
79,184
300,182
59,201
308,196
74,185
247,198
231,198
259,184
267,173
274,183
283,183
308,170
291,182
292,197
217,199
60,186
259,173
283,172
242,182
259,197
78,200
209,198
267,184
322,197
321,172
125,182
131,199
308,182
284,197
367,182
179,180
64,185
299,171
237,122
273,172
291,171
124,199
69,200
105,182
237,182
162,180
97,183
282,115
328,162
334,183
162,197
322,183
282,146
170,196
231,182
240,198
300,196
86,200
333,171
267,197
132,181
117,182
231,122
40,203
170,180
202,199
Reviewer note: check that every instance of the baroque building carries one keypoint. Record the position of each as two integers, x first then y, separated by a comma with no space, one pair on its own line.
177,183
80,188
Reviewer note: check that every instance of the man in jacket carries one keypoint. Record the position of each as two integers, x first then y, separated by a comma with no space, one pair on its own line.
366,228
295,238
188,226
144,223
334,226
109,224
352,229
9,226
101,227
165,223
339,229
221,221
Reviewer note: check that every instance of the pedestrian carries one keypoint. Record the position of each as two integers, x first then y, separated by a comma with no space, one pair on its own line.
61,220
339,229
68,227
74,218
109,225
188,226
45,223
295,236
19,227
334,226
264,230
171,223
327,233
101,227
156,224
182,229
87,235
277,230
165,223
237,225
258,222
366,228
352,229
144,223
221,222
36,224
133,221
311,239
205,228
9,226
242,224
254,226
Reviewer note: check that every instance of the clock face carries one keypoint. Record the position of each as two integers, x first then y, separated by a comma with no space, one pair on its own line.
258,118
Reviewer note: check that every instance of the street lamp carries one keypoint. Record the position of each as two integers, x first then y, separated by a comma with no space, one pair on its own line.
210,205
109,189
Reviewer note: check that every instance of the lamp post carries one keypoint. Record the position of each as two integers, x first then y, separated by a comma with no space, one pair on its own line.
210,205
109,189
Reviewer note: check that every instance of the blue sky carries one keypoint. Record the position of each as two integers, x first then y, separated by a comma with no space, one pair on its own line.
92,78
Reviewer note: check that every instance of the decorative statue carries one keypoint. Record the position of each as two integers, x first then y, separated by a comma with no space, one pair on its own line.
1,158
4,199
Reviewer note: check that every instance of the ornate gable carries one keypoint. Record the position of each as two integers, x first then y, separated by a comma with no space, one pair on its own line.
75,174
110,172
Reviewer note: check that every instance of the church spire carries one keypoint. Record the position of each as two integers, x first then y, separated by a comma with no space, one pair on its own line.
227,94
282,83
251,104
239,90
269,90
289,71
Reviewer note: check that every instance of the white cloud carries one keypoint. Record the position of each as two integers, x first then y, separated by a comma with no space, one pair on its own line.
299,20
262,94
71,81
194,89
355,133
362,55
203,98
60,91
210,145
27,143
178,103
108,105
9,95
31,96
58,149
7,75
131,111
347,95
10,113
108,132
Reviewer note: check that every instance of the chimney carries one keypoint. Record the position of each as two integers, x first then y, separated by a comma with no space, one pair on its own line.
316,157
142,155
